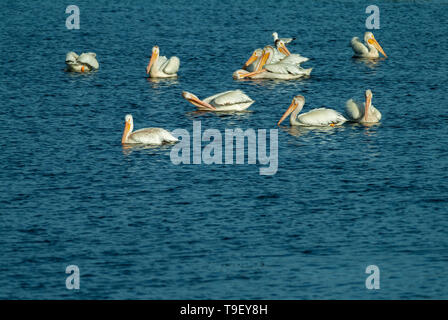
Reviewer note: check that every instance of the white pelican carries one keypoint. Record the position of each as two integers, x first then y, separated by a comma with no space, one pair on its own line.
234,100
83,63
315,117
362,113
277,54
369,50
281,53
285,40
293,58
285,69
155,136
161,67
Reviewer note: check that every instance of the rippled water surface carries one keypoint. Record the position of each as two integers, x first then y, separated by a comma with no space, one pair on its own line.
140,227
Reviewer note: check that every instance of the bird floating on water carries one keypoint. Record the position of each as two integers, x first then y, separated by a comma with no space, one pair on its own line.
314,118
286,69
362,113
160,66
153,136
82,63
234,100
369,49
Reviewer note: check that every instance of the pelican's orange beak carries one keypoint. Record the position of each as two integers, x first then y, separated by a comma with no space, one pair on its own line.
250,74
263,60
82,68
282,48
288,111
154,57
367,106
259,68
375,43
127,128
251,60
197,102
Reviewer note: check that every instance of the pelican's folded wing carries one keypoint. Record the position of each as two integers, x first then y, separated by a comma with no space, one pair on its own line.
280,68
294,59
152,136
171,66
322,117
286,68
89,59
358,47
353,110
231,97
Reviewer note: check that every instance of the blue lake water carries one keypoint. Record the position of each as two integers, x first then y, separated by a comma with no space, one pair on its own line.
140,227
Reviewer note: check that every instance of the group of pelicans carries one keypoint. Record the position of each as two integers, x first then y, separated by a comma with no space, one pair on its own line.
271,62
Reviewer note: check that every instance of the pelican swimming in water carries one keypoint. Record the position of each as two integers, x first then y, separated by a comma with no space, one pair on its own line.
314,118
234,100
285,40
286,69
277,54
369,49
161,67
154,136
362,113
83,63
293,58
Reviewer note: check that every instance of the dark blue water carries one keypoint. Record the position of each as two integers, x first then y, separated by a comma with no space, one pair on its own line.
140,227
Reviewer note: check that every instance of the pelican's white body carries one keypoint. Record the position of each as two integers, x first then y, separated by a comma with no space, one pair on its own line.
153,136
294,58
368,49
165,68
318,117
86,61
234,100
156,136
362,50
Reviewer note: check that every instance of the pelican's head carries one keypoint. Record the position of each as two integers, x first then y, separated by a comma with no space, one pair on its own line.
128,127
71,58
128,118
193,99
275,35
369,93
370,39
295,106
280,44
189,96
154,56
255,55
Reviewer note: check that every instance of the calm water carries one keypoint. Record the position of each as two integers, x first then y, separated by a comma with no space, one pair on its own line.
140,227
